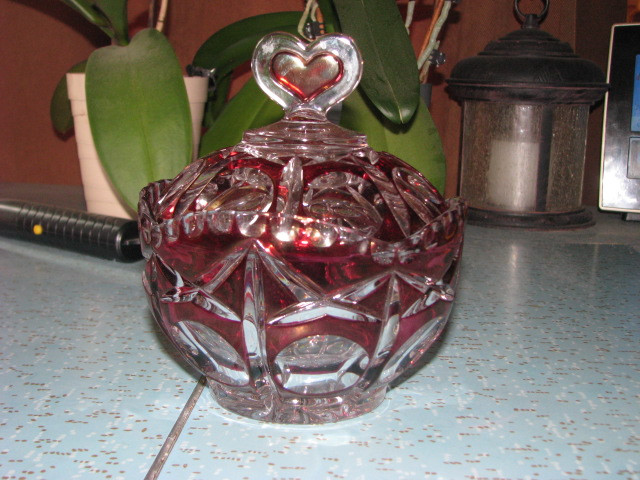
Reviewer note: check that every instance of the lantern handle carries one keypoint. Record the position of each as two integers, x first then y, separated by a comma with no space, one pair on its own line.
531,20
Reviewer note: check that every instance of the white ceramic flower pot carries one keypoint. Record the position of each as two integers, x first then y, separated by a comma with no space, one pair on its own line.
99,194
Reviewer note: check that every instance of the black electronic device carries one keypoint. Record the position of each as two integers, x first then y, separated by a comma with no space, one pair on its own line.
620,168
92,234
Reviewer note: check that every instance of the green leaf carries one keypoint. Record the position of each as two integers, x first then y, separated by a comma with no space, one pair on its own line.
139,112
234,44
88,11
60,107
116,12
94,15
390,76
249,108
417,143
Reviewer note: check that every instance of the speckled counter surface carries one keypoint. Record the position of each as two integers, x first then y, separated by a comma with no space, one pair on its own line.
537,376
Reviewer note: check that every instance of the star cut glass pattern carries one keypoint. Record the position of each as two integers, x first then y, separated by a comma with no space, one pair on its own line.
300,270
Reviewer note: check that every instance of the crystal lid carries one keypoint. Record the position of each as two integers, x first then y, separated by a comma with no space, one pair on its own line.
306,80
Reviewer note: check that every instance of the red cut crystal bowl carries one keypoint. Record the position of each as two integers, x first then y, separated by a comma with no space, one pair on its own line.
300,284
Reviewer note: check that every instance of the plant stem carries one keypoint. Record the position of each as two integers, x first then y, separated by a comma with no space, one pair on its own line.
162,15
441,12
330,20
411,5
305,16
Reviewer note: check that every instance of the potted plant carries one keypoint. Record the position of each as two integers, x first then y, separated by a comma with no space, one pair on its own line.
138,108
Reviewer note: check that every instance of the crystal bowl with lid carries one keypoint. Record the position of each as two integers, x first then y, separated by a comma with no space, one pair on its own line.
301,271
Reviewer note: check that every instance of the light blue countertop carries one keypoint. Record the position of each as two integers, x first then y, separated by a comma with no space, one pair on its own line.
537,376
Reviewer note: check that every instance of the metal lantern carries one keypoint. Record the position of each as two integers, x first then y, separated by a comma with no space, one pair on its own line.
525,102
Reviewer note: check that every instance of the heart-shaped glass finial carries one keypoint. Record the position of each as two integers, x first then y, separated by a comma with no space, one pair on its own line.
307,76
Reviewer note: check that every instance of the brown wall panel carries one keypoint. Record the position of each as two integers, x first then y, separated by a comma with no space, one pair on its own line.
39,42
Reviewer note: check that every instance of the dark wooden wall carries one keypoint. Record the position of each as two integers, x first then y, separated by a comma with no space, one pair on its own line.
41,40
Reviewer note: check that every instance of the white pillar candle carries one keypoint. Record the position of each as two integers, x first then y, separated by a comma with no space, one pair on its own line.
512,175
